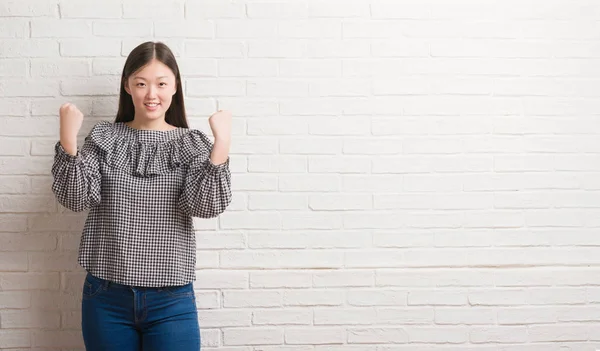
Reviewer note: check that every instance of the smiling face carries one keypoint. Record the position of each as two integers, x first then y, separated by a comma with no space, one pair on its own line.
151,88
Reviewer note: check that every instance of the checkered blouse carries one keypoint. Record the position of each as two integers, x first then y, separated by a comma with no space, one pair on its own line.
142,188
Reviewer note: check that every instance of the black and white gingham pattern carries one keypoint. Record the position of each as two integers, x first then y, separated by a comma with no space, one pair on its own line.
142,188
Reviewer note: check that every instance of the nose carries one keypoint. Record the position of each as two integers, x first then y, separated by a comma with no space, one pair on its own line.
151,92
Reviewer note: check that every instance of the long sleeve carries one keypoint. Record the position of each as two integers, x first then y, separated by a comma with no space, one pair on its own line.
77,179
206,189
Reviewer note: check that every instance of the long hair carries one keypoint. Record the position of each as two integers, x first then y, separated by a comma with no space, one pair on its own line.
138,58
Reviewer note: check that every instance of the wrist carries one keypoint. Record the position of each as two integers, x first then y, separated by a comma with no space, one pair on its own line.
69,147
222,139
67,135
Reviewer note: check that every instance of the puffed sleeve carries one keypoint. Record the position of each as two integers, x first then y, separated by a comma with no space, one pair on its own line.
77,179
206,189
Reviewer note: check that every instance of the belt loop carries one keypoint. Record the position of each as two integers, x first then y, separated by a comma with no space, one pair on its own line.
106,284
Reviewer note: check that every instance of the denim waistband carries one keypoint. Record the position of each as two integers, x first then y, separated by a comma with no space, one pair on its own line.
108,283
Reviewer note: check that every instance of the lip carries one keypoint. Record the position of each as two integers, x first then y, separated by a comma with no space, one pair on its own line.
151,108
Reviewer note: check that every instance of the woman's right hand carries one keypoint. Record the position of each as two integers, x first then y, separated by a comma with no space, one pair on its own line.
71,120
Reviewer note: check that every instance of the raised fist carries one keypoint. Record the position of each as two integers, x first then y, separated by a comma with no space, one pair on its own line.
71,120
220,124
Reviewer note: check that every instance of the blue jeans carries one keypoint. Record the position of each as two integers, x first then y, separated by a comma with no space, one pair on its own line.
119,317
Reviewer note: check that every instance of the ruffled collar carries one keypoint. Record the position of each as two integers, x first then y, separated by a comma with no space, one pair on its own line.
147,153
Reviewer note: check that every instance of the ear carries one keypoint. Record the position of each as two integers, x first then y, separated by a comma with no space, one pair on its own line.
126,86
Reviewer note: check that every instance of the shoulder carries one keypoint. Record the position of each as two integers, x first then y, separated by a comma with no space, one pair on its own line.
197,134
102,127
194,142
102,134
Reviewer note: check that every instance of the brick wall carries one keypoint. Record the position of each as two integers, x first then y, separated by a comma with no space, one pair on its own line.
408,175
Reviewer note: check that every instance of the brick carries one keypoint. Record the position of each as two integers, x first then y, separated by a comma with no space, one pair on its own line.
56,338
14,28
15,299
501,334
13,319
335,48
277,10
154,9
13,68
309,239
208,87
282,317
314,335
346,278
256,220
89,48
313,28
277,164
440,335
34,88
13,147
214,9
27,242
28,8
91,86
377,336
285,49
119,28
313,182
253,336
309,298
187,29
210,49
60,68
15,338
377,297
279,259
245,29
275,201
469,315
90,9
342,9
254,298
63,28
14,262
280,279
223,318
223,280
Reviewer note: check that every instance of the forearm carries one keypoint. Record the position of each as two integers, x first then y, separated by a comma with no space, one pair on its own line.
220,151
69,144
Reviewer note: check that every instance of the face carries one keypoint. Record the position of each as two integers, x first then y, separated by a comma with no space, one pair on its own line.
151,88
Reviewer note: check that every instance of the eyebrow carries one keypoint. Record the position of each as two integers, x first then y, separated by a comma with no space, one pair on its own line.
136,77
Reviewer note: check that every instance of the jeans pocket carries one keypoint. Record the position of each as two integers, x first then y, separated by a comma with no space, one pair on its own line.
92,286
180,291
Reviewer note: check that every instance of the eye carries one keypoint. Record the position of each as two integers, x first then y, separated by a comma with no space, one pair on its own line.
163,84
139,84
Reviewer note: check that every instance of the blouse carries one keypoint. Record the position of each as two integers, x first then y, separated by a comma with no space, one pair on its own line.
142,188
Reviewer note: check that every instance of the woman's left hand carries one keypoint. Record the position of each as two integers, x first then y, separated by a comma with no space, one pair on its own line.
220,124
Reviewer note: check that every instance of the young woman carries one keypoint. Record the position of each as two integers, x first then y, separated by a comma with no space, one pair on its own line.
142,178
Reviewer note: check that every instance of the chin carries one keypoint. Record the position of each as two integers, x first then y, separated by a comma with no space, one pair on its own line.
151,116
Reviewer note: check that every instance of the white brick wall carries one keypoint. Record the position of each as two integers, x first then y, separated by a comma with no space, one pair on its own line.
409,175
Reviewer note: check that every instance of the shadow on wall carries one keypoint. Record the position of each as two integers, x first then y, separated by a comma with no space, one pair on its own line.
54,278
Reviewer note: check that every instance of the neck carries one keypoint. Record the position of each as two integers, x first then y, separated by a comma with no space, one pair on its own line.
158,124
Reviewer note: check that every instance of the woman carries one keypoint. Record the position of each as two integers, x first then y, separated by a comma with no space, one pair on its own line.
142,178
